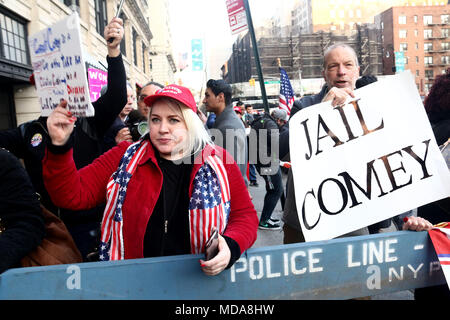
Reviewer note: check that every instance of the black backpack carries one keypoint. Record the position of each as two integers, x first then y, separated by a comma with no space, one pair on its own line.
264,125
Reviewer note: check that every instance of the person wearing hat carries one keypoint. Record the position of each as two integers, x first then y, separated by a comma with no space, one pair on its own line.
281,118
165,193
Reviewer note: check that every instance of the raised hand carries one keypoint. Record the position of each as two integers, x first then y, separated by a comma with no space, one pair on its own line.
114,30
60,124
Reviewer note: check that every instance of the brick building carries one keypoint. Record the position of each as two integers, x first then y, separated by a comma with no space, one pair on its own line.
422,34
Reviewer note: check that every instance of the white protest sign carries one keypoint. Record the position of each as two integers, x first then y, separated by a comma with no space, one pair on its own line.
59,69
372,159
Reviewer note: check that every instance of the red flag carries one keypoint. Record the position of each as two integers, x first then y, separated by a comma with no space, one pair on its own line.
440,236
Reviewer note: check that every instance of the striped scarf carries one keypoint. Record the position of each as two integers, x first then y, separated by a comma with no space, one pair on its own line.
209,205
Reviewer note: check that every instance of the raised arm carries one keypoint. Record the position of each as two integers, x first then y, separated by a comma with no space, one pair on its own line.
109,105
69,188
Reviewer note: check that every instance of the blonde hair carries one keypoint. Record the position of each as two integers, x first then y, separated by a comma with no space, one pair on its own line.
197,136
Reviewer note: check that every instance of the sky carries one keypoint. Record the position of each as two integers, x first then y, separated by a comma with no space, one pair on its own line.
208,20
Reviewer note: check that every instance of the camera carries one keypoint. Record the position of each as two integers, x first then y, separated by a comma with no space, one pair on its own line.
137,124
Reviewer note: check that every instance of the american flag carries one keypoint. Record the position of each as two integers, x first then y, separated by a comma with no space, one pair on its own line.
440,236
286,93
111,243
209,206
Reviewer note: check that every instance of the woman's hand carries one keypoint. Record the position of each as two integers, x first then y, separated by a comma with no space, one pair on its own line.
416,224
60,124
217,264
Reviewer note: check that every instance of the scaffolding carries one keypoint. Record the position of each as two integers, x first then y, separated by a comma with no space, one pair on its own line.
302,56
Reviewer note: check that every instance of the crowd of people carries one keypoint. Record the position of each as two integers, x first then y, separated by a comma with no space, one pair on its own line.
165,191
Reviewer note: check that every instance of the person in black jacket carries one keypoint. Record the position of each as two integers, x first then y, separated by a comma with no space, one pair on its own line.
437,106
29,141
271,173
21,222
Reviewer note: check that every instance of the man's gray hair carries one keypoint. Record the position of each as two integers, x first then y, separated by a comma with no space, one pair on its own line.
105,88
338,45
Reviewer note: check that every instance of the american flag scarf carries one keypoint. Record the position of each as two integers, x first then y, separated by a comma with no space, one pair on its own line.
111,242
209,205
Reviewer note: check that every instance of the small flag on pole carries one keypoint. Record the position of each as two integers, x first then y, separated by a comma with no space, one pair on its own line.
286,93
440,236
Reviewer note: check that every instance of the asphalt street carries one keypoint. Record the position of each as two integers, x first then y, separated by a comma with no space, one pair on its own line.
275,237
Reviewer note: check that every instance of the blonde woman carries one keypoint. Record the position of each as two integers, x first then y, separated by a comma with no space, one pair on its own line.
165,194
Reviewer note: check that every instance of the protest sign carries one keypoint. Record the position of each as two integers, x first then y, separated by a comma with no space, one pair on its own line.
371,159
59,70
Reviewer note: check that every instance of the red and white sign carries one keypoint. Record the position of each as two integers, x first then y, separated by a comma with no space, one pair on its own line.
236,16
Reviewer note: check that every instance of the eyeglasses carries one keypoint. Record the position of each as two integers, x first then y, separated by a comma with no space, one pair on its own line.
142,97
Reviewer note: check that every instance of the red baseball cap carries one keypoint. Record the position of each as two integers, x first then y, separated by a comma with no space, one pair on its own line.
237,109
174,91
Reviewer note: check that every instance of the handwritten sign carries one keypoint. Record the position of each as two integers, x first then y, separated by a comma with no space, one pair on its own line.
369,160
59,68
97,79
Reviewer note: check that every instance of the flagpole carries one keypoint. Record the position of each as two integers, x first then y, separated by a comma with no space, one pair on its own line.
257,61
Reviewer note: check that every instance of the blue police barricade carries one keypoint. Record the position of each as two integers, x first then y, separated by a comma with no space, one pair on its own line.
336,269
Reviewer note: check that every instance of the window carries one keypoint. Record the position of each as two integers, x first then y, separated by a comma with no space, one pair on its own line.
72,4
416,32
403,47
427,20
417,45
101,19
428,46
402,34
123,47
401,19
417,73
428,60
143,56
415,19
445,45
445,59
445,18
427,33
417,59
444,33
429,74
13,39
134,46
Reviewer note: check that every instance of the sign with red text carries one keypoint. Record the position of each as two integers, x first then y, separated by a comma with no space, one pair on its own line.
59,69
236,16
371,159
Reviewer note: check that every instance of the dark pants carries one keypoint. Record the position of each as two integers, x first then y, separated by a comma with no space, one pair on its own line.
274,192
252,172
86,237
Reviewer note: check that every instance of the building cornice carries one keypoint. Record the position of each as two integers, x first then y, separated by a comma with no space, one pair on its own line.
143,24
